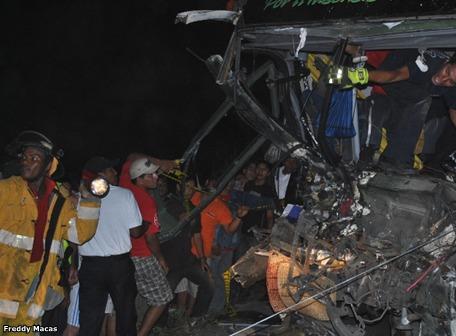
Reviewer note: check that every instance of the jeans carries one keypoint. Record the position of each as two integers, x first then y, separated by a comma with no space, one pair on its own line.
218,265
98,277
193,272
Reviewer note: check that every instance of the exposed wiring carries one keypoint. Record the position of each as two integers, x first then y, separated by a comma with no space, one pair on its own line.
377,319
341,284
199,58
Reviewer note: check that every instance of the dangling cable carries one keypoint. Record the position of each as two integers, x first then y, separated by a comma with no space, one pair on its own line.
343,284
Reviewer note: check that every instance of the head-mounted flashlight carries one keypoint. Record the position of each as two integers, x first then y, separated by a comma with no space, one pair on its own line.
99,187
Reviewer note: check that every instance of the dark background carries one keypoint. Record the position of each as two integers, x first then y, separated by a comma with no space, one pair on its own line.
109,78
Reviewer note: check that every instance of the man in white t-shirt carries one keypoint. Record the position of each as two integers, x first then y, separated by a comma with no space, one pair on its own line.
106,265
285,184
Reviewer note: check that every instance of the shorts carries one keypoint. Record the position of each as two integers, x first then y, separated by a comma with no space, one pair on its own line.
186,285
151,281
73,308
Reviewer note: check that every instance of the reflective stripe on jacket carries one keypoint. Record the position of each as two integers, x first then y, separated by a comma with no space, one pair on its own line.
18,212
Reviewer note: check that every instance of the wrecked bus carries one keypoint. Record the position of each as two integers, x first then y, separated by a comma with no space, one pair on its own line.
370,252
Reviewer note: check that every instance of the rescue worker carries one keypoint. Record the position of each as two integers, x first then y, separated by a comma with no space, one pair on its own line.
428,74
34,220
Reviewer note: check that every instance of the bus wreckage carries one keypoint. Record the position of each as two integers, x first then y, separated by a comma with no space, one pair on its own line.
367,251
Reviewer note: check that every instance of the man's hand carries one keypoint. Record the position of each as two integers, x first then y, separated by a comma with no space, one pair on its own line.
346,77
237,220
85,193
165,165
74,200
242,211
138,231
353,50
168,165
73,276
204,265
163,264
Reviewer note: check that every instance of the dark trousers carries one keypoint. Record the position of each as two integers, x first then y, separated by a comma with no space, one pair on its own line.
193,272
402,139
56,317
98,277
376,111
403,124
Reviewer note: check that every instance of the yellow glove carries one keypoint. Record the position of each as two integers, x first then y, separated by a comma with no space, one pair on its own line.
178,173
174,172
347,77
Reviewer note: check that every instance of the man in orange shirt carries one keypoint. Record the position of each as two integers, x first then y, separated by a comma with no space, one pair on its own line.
216,213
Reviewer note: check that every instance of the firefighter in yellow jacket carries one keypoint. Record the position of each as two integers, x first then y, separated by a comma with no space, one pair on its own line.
29,243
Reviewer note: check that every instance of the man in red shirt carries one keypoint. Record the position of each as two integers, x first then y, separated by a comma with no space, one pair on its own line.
140,176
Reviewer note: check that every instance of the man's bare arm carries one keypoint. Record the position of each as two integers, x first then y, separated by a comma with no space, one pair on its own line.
389,76
165,165
452,113
233,226
269,218
154,245
198,243
138,231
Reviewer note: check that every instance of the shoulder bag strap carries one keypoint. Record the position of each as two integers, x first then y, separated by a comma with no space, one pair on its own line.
47,245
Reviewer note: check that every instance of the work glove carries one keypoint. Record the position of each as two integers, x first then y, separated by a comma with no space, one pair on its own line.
169,165
345,77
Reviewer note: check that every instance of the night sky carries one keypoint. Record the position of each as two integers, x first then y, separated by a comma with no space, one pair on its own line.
108,78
